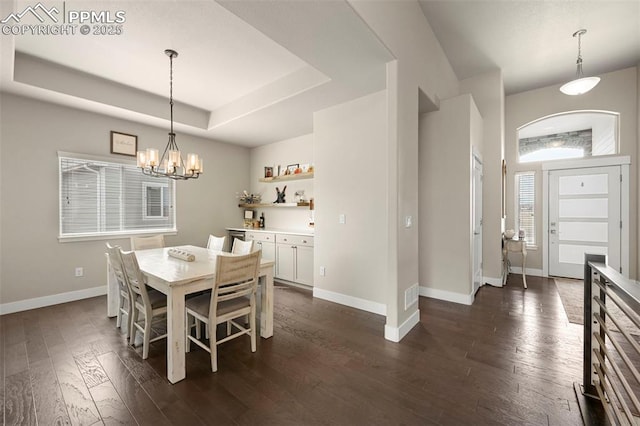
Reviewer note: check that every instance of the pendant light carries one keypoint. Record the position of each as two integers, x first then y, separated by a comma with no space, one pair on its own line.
171,164
580,85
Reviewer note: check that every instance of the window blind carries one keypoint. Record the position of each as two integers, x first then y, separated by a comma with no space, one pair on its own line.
102,198
525,205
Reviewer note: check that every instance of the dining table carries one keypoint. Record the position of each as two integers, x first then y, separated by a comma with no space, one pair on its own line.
178,278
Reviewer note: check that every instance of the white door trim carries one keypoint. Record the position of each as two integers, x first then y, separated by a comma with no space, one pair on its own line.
476,210
623,161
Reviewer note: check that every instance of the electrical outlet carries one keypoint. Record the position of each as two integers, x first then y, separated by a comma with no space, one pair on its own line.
79,272
323,271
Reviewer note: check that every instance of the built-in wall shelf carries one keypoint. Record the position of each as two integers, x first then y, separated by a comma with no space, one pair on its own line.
296,176
278,205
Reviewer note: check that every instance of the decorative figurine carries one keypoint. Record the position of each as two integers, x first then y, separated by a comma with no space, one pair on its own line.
280,198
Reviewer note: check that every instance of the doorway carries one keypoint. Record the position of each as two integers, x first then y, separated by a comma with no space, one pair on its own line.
586,211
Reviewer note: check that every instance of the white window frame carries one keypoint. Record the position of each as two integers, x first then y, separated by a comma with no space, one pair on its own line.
531,242
145,201
103,234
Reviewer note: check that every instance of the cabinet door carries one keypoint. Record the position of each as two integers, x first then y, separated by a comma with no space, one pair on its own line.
268,250
285,262
304,265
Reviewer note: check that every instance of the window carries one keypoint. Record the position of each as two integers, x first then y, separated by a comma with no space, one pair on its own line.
574,134
155,200
101,197
525,206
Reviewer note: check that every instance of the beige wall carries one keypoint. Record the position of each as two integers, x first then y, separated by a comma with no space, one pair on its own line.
488,93
33,262
350,148
617,92
446,140
291,151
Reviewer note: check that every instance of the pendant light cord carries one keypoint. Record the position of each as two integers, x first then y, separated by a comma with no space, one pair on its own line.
171,88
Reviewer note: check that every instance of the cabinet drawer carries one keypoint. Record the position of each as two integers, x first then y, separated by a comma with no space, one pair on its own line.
297,240
260,236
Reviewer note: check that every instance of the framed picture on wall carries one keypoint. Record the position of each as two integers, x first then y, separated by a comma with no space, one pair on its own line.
124,144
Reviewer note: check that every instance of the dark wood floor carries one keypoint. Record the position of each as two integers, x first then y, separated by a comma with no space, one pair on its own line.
511,358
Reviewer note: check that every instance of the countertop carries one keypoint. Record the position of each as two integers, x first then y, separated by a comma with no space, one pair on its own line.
306,233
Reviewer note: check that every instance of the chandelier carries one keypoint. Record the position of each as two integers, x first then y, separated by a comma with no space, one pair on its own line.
580,85
170,164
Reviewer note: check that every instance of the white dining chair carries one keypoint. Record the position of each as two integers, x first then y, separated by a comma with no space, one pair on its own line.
124,295
144,243
233,296
242,247
151,303
216,243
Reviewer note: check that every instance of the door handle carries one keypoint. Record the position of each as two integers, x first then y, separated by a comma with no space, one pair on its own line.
552,231
476,233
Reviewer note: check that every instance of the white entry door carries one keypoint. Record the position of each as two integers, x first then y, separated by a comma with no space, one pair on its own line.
477,224
584,217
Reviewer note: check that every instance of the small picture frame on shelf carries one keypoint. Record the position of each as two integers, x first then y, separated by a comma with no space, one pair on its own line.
304,168
291,168
268,172
124,144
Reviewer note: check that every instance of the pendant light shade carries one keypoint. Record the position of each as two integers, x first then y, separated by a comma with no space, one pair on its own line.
580,85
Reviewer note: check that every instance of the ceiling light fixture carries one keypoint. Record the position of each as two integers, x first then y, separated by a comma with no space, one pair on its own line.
171,164
580,85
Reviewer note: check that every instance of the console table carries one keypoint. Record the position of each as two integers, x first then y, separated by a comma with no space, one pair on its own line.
517,246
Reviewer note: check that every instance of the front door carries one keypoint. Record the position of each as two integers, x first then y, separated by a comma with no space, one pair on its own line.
584,217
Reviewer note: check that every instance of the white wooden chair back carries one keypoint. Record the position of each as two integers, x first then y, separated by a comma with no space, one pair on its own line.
115,262
236,276
125,298
144,243
242,247
135,278
216,243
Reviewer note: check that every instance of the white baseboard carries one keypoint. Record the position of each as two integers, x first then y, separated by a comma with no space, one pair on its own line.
396,334
530,271
495,282
54,299
449,296
354,302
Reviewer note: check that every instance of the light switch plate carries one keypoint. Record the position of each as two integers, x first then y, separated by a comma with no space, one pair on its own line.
342,219
408,221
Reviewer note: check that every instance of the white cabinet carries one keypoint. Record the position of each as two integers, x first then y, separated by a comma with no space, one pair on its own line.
294,258
263,241
284,261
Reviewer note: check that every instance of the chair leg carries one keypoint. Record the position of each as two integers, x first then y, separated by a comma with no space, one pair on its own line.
213,347
198,328
188,333
129,319
134,329
252,319
119,316
147,335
